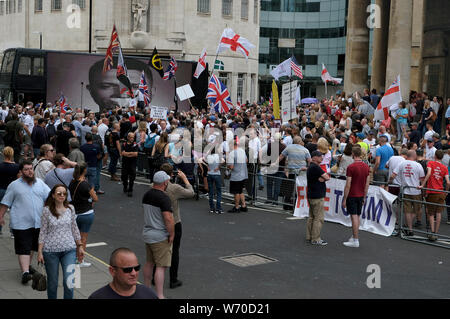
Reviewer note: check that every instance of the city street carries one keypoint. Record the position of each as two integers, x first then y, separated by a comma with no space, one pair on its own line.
408,270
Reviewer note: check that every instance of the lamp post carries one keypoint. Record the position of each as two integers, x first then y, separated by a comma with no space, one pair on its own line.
40,38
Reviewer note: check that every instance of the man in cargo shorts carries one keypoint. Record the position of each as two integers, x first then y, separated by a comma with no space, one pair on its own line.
159,231
436,173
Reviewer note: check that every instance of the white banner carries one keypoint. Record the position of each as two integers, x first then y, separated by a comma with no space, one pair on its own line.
288,106
377,216
159,112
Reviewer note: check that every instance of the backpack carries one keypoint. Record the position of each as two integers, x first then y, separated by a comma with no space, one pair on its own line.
51,130
108,138
150,141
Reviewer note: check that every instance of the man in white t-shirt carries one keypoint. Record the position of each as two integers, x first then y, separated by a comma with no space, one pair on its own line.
382,131
430,149
410,174
429,133
392,164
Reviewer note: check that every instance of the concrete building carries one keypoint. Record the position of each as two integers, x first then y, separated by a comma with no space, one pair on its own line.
411,38
316,32
178,28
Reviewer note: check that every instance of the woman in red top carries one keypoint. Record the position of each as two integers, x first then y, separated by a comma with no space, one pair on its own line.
436,172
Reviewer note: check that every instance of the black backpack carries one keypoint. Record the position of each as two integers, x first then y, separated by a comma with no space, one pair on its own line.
109,139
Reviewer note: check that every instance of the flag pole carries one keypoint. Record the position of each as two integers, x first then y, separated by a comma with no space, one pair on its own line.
176,98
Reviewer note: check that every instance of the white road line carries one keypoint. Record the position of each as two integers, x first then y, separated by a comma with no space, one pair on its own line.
96,245
295,218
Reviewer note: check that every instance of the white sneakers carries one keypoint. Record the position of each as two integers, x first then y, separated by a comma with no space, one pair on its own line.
354,243
84,264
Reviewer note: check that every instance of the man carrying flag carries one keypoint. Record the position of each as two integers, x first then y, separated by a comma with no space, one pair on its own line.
201,66
392,96
155,63
234,42
219,96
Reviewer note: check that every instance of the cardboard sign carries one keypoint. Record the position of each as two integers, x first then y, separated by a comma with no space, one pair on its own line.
159,112
185,92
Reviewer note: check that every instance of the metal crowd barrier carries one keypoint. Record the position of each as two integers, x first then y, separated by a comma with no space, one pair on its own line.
442,239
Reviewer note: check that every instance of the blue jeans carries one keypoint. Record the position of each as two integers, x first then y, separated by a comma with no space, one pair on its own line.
113,159
217,181
273,186
92,176
260,179
97,173
52,261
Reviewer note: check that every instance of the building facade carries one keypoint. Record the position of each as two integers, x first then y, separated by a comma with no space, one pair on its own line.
315,30
178,28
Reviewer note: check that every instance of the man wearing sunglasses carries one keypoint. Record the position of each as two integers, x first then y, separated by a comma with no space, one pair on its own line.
124,268
430,150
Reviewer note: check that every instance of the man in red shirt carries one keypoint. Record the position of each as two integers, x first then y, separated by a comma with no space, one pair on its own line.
436,172
358,180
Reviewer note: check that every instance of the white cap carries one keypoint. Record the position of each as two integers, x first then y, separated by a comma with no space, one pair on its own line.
160,177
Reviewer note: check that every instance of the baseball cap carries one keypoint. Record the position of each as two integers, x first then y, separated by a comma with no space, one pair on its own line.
372,132
436,135
212,118
160,177
385,136
361,135
316,153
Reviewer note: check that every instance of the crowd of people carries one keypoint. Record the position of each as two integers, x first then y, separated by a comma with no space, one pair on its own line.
53,159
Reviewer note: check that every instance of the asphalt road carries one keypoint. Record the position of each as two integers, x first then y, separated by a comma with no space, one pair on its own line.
408,269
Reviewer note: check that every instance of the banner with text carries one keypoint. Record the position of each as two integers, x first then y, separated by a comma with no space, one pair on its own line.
288,107
158,112
377,216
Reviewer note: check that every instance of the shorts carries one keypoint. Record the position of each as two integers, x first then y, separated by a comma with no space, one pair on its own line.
381,176
438,199
85,222
27,139
237,187
394,190
26,241
160,253
412,207
355,205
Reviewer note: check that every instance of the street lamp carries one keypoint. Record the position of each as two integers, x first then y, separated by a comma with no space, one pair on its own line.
40,38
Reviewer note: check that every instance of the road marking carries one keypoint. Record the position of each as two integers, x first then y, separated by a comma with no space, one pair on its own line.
295,218
96,245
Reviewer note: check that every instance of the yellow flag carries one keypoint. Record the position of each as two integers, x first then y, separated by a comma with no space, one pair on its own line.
276,101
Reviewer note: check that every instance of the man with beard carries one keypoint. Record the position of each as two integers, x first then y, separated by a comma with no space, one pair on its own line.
25,198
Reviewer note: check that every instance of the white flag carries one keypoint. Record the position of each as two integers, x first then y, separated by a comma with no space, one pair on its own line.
234,42
284,69
392,96
201,66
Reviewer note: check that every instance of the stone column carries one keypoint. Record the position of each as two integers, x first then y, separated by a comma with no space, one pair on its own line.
400,40
357,49
380,47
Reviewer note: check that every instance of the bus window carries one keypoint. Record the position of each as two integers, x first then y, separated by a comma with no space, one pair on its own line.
24,66
38,67
8,62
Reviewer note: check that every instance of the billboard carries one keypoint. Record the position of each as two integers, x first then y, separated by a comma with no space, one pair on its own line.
80,78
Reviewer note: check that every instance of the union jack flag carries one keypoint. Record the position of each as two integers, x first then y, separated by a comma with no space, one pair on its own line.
271,100
113,46
144,89
295,67
218,94
173,67
62,104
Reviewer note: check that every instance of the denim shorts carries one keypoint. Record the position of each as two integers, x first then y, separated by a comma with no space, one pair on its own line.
85,222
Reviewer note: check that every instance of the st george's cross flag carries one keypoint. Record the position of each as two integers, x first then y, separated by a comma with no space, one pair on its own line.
144,90
326,77
201,66
122,73
219,95
392,96
234,42
171,70
114,45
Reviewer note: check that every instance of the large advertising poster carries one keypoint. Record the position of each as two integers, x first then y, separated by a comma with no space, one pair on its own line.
80,78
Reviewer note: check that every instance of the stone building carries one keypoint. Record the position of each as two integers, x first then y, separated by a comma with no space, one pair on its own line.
412,39
181,28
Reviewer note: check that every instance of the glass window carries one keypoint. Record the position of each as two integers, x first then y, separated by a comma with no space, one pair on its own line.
80,3
244,9
38,66
56,5
270,5
255,11
19,6
240,86
38,5
203,6
24,66
2,8
223,77
227,7
8,62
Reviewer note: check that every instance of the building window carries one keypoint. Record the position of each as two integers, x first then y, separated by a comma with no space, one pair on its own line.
38,5
12,6
80,3
223,77
227,7
255,11
240,86
2,8
56,5
203,6
244,9
19,6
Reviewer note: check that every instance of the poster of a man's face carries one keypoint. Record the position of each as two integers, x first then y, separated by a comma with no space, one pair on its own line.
80,78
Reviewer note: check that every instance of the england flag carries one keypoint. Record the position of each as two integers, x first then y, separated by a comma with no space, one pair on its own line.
234,42
201,66
392,96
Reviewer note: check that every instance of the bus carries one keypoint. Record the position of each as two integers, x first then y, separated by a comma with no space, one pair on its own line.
46,76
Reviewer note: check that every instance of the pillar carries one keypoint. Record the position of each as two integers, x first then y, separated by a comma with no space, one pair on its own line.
357,49
380,47
417,45
399,45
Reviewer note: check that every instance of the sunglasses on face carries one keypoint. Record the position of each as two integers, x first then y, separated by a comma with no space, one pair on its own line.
61,193
128,270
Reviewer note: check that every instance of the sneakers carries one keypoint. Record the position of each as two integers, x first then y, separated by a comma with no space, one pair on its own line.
432,237
395,233
84,264
26,277
212,211
244,209
176,284
234,210
31,270
408,233
354,243
100,192
320,242
219,212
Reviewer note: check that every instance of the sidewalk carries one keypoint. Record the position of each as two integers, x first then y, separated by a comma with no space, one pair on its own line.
92,278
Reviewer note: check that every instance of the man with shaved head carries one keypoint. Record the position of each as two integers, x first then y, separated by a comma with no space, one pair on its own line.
124,268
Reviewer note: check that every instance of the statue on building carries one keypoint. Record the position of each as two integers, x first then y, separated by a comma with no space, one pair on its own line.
139,10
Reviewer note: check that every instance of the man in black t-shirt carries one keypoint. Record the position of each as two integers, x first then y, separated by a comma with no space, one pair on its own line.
62,139
112,140
92,154
125,272
129,154
316,193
